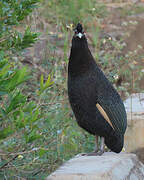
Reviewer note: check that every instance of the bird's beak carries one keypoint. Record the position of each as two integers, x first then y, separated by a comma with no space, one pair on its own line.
79,35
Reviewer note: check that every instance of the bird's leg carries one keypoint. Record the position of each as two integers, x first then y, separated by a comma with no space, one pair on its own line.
96,144
101,146
97,151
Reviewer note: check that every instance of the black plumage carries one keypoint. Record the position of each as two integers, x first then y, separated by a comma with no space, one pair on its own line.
89,89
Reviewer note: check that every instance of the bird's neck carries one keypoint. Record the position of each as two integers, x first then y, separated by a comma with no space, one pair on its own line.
80,60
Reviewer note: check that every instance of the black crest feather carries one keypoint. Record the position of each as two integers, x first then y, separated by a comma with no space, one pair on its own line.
79,28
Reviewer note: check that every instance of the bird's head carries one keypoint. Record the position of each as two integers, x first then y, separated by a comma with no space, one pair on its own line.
79,32
79,39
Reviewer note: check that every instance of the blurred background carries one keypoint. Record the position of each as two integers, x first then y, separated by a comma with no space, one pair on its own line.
38,129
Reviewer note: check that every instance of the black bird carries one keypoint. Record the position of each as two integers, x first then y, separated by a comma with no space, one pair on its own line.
97,106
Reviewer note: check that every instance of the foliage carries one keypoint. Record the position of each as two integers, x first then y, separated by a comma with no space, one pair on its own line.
18,117
123,70
73,11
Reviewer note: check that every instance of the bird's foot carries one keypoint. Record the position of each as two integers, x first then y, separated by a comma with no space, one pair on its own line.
95,153
100,152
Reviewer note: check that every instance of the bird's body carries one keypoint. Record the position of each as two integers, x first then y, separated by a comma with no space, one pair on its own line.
90,94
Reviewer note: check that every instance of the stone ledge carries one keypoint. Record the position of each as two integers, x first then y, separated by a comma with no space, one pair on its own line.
109,166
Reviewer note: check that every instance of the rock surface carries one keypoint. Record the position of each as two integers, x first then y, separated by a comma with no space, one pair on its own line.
135,114
109,166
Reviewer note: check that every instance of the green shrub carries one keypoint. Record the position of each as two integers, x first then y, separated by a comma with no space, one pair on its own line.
18,117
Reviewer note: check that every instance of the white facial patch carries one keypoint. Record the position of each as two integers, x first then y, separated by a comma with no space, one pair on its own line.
79,35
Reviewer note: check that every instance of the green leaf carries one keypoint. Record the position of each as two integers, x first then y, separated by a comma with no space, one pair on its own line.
33,135
29,107
18,77
43,86
48,82
42,152
35,115
41,82
20,120
16,101
6,132
4,70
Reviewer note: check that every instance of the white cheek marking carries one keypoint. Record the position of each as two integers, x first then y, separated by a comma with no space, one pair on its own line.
79,35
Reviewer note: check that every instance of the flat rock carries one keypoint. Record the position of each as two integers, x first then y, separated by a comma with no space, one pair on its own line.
109,166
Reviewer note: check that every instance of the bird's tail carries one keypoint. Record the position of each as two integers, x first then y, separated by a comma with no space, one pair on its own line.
115,142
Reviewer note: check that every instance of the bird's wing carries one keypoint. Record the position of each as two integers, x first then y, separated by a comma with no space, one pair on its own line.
114,113
103,113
